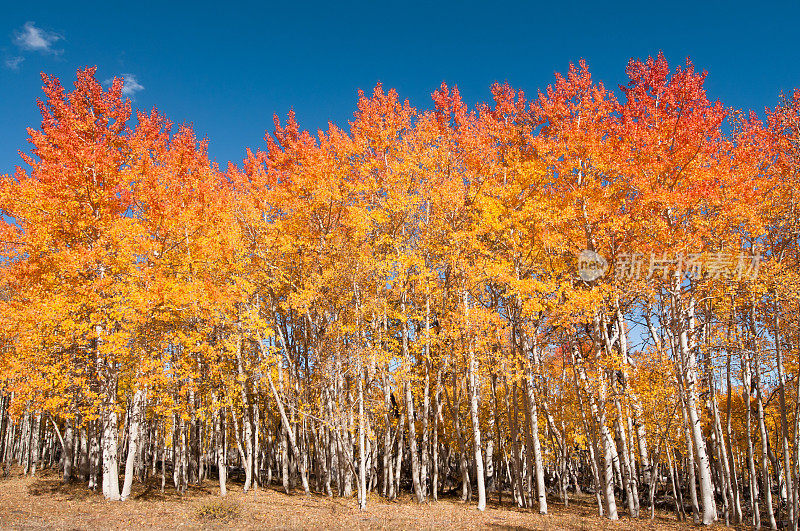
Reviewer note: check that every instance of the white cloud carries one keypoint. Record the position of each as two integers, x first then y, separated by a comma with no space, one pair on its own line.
14,62
36,39
130,85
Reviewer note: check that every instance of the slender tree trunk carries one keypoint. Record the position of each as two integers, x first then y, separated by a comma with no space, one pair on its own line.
362,463
388,477
95,454
66,458
164,459
590,445
690,372
437,413
535,445
516,465
109,444
473,408
246,421
737,494
675,489
747,381
765,478
787,461
219,439
598,412
398,464
290,432
285,420
412,430
426,411
36,439
497,477
133,444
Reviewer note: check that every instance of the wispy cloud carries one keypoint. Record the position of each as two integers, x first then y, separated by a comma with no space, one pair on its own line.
130,85
13,63
36,39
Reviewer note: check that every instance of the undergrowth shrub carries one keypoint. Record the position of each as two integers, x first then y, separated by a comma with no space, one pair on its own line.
221,510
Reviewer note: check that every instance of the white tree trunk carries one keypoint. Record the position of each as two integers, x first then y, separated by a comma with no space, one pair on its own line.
219,436
362,462
133,442
473,410
703,463
109,446
541,492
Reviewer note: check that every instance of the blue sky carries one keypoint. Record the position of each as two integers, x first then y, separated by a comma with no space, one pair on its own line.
227,68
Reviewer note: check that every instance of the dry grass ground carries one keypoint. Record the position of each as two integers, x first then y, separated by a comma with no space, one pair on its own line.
43,502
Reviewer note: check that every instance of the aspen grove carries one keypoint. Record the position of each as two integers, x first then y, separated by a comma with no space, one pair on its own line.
396,307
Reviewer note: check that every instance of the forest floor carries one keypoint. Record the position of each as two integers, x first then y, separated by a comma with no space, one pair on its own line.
43,502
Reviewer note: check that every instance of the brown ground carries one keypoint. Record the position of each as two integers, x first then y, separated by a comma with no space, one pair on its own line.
43,502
